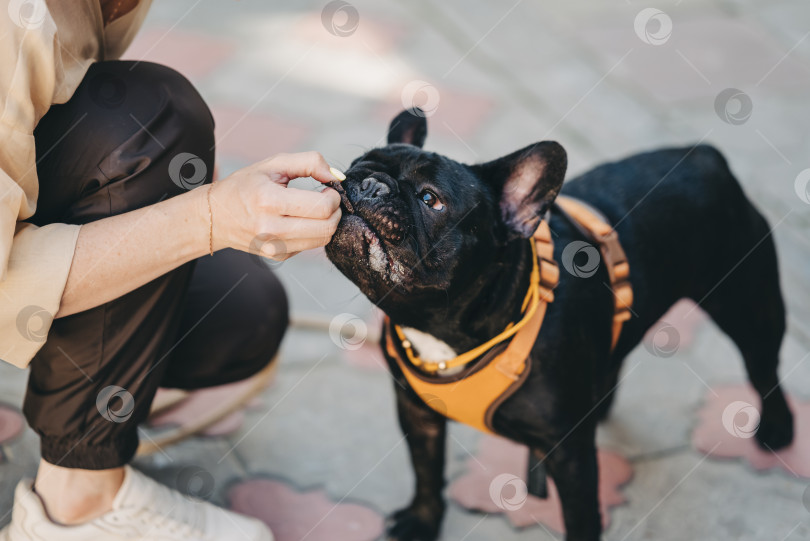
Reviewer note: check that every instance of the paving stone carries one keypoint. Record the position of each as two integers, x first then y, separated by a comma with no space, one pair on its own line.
329,422
725,52
293,515
731,417
495,483
687,496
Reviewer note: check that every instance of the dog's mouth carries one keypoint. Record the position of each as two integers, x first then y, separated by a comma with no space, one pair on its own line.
367,244
361,251
378,256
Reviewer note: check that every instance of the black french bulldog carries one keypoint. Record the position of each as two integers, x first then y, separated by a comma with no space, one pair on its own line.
441,248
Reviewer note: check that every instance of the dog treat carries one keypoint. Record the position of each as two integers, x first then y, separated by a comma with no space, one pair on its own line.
344,198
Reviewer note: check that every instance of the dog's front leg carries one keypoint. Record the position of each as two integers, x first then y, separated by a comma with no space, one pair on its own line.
424,430
573,467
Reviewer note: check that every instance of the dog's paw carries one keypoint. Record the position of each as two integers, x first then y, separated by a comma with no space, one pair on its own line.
775,428
415,524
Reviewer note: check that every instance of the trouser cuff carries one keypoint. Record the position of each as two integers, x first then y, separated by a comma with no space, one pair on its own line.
70,453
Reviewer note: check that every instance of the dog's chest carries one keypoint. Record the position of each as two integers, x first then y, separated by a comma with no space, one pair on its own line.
431,349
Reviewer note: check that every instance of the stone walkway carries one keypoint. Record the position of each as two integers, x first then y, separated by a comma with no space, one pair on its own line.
604,79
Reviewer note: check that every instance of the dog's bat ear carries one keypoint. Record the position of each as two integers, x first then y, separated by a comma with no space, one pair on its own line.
527,180
409,126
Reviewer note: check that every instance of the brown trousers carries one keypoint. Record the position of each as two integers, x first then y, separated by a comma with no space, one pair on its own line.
220,319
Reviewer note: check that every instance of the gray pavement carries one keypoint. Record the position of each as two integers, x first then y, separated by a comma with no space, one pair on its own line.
506,74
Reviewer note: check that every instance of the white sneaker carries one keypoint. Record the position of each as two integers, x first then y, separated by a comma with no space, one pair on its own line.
143,510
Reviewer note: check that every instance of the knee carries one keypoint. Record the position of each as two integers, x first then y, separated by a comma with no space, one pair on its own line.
236,316
142,89
109,148
165,143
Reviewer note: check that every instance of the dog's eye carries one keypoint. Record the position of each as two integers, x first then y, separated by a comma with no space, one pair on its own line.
431,199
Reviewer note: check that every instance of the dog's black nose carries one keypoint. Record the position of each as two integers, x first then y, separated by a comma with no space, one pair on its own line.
372,188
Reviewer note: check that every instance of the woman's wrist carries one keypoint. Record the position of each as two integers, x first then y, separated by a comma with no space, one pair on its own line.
144,243
200,222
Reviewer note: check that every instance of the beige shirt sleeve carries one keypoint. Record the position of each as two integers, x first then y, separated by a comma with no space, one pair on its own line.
34,261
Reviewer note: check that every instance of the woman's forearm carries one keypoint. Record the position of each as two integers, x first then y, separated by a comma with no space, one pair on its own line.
118,254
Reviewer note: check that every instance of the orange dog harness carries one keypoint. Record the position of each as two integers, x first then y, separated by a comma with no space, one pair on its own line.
500,368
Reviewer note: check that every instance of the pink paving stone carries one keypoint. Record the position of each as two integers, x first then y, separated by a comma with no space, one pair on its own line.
193,55
202,401
372,36
457,115
293,515
254,136
685,317
714,434
11,423
498,456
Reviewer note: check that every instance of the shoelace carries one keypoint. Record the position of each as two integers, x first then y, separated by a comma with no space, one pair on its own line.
151,521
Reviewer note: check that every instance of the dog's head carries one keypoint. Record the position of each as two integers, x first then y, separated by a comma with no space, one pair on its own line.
424,225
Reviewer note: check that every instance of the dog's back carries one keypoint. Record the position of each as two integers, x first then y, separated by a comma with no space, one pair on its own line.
689,230
683,220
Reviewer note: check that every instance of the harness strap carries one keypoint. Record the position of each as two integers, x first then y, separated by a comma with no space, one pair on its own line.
473,395
544,278
595,227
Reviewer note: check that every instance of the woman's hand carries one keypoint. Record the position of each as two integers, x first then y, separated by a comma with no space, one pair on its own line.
254,210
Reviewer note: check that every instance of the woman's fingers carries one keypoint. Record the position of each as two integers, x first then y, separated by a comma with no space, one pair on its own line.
283,250
285,167
301,203
293,227
270,218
